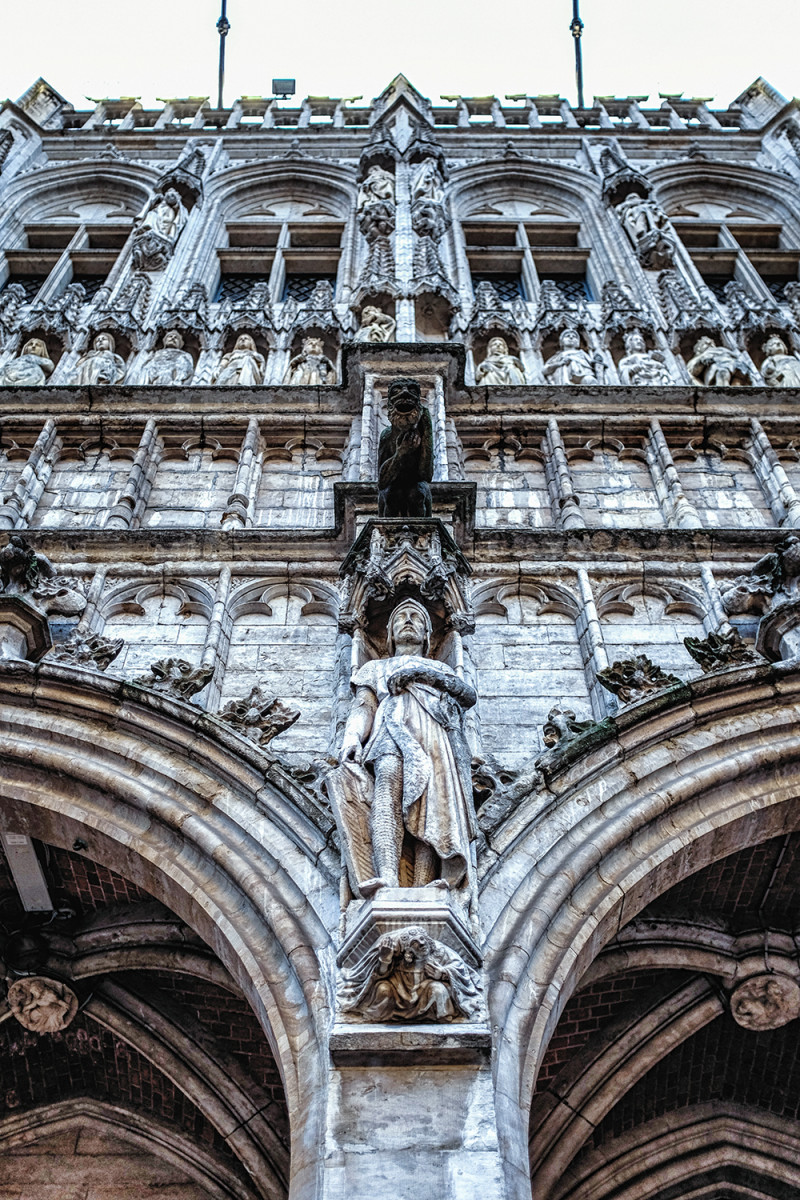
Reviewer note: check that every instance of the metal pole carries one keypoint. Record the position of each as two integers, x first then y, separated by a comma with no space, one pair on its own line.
223,27
576,29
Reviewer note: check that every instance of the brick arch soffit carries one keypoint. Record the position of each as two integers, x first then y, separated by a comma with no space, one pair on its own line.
144,1132
681,788
189,814
653,1158
31,197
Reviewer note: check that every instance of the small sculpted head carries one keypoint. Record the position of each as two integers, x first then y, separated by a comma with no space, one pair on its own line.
774,345
312,346
173,340
497,346
404,403
634,342
36,347
703,344
172,198
570,340
104,341
370,314
245,342
409,629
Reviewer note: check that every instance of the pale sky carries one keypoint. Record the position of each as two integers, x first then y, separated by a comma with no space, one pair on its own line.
169,48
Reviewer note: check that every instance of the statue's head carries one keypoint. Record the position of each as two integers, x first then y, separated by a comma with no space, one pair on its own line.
172,198
702,344
633,198
104,341
312,345
570,339
35,346
497,346
774,345
634,342
409,629
173,340
404,403
245,342
370,314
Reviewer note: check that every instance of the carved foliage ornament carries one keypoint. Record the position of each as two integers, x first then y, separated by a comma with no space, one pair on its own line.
258,717
92,651
632,678
177,678
409,976
27,573
724,648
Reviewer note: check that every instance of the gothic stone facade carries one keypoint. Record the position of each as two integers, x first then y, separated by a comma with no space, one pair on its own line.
201,314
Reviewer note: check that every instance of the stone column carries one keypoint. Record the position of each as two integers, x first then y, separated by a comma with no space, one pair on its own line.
677,509
441,469
216,639
593,648
716,617
559,480
22,502
404,253
237,511
783,500
139,481
367,458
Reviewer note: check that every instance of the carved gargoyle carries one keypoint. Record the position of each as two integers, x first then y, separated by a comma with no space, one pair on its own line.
562,727
632,678
408,976
176,677
90,650
773,577
27,573
405,454
721,649
258,717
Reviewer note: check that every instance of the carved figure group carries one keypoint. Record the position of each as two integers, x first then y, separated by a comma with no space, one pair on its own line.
405,454
499,368
311,367
157,231
42,1005
571,365
641,367
101,366
649,229
242,366
403,791
716,366
30,368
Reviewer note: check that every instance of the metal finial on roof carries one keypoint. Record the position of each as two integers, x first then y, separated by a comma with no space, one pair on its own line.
576,29
223,28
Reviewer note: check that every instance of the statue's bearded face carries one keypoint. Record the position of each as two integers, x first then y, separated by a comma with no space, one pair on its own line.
405,403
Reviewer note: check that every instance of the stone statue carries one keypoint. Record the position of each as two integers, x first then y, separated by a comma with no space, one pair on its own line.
30,368
427,183
242,366
571,365
169,365
403,790
766,1001
42,1005
377,188
405,454
641,367
649,229
716,366
779,368
499,368
311,367
409,976
165,215
376,325
100,366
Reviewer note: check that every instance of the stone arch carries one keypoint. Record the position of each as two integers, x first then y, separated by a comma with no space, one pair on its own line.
240,191
53,194
204,822
144,1133
686,783
769,196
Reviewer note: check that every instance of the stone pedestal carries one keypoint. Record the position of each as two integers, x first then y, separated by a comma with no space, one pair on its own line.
392,909
24,631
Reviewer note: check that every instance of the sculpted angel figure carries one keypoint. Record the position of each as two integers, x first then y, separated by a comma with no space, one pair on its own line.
716,366
243,366
376,325
30,368
171,364
499,368
779,368
642,367
311,367
570,365
100,366
403,790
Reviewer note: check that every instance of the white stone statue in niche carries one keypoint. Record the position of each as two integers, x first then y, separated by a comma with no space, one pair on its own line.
311,367
100,366
377,188
571,365
165,215
30,368
716,366
779,368
169,365
376,325
403,789
499,368
242,366
649,229
641,367
427,183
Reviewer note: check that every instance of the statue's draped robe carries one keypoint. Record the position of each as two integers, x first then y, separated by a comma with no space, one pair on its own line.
422,727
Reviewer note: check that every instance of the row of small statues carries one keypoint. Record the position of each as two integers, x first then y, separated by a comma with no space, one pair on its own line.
710,366
244,366
101,366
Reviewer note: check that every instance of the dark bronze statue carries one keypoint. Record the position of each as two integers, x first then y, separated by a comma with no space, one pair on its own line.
405,455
